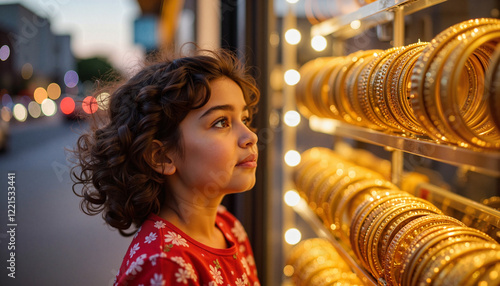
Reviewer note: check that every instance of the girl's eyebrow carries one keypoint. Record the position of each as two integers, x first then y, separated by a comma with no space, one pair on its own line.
225,107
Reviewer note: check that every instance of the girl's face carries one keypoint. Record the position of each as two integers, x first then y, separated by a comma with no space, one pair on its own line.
220,151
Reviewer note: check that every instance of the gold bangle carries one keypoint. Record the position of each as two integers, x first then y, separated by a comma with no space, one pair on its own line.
490,277
461,271
362,213
458,58
377,231
406,238
307,71
321,178
337,96
421,69
365,94
399,91
324,189
417,261
368,216
341,219
445,259
493,88
415,264
352,92
330,204
320,87
387,83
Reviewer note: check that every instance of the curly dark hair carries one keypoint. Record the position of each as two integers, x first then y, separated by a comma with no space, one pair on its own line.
113,159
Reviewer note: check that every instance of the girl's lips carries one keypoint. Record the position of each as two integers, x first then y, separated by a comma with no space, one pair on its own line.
248,162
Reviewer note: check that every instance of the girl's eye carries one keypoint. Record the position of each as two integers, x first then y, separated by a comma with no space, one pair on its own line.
221,123
246,121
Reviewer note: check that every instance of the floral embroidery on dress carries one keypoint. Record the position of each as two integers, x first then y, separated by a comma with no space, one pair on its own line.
245,265
159,224
186,270
134,249
182,276
136,266
239,231
176,239
153,258
137,232
157,280
242,248
151,237
250,260
214,271
242,281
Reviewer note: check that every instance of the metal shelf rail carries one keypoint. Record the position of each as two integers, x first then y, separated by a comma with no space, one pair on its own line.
376,13
486,162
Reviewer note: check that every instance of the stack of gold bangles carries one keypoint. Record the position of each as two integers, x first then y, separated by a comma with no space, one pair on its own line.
398,238
315,262
446,89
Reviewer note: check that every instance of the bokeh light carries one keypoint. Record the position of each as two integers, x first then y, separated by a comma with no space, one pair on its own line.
40,95
292,36
356,24
7,101
67,105
6,113
292,158
49,107
19,112
54,91
4,52
288,270
34,109
292,118
292,1
89,104
103,100
293,236
27,71
71,78
292,77
318,43
291,198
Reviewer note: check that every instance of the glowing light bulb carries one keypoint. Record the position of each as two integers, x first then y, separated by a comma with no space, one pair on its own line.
292,77
318,43
293,236
292,118
293,36
292,198
292,158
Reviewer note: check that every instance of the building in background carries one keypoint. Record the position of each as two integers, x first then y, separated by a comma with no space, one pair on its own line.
31,54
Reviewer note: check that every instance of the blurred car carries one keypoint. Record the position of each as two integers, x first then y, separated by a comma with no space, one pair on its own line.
4,134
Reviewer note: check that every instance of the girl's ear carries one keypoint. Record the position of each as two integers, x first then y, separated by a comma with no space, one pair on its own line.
162,162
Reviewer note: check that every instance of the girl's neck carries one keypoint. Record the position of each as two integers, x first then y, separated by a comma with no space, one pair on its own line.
196,219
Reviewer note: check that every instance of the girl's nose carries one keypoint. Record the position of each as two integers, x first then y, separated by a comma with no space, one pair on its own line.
248,138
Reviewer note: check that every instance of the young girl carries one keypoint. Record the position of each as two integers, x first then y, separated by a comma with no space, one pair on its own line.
176,141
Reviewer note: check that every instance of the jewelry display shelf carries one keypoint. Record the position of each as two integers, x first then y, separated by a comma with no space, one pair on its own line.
370,15
314,222
461,208
486,162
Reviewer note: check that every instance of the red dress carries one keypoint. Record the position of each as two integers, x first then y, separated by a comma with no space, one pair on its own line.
161,254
